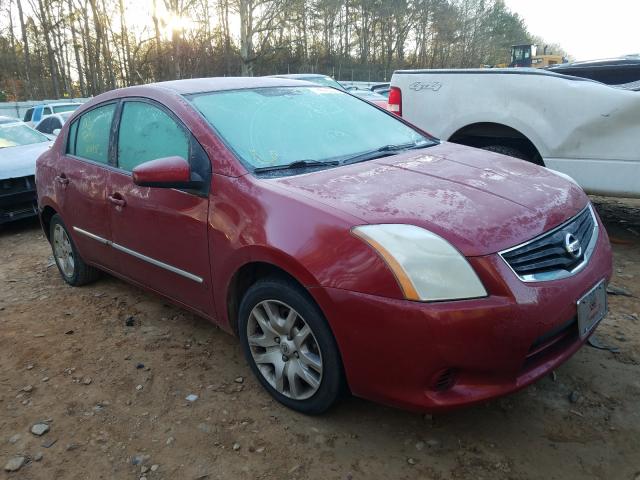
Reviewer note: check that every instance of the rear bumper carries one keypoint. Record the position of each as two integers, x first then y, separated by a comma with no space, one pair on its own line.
439,356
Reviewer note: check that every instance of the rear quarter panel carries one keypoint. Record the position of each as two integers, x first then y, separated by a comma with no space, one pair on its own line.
45,175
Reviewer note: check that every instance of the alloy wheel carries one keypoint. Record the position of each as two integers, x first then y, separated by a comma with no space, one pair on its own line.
63,251
284,349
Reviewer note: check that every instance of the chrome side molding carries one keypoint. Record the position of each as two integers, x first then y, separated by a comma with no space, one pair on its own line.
140,256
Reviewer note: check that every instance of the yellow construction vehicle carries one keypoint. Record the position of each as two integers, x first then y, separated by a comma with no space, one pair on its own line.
526,55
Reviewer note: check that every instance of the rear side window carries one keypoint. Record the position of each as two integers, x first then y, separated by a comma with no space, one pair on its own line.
71,139
28,114
92,133
147,133
47,111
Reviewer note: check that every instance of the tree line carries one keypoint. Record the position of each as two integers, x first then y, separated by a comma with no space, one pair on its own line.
68,48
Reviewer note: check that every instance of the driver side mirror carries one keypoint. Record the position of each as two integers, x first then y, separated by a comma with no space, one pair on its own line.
56,131
168,172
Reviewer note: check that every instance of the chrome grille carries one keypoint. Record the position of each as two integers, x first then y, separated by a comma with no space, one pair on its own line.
554,254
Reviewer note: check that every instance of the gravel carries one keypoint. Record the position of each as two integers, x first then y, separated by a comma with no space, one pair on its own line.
15,464
40,429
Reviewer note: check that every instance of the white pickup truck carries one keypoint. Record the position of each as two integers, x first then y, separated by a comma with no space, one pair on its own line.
585,129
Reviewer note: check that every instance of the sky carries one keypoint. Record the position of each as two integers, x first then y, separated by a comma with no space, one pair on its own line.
586,29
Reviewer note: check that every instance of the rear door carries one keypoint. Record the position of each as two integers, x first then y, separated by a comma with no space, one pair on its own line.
160,234
81,177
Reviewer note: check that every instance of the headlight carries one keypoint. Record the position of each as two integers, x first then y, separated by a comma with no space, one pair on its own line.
427,267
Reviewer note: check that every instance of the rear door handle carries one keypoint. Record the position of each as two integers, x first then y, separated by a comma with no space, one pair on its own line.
62,179
117,200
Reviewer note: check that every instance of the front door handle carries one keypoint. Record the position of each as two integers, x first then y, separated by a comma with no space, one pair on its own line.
117,200
62,179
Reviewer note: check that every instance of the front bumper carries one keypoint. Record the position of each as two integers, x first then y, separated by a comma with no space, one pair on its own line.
439,356
17,199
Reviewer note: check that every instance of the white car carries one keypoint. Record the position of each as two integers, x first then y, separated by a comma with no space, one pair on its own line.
52,124
36,113
20,147
582,128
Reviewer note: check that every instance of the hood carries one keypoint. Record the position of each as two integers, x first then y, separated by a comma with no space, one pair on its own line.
20,161
481,202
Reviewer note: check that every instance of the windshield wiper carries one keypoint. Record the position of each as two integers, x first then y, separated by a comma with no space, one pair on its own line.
298,164
385,151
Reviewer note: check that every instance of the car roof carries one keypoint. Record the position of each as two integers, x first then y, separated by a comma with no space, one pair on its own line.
57,104
300,75
200,85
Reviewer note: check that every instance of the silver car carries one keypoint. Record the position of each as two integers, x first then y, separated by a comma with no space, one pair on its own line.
20,147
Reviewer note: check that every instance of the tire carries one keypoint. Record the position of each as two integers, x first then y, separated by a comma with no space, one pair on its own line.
308,357
505,150
70,264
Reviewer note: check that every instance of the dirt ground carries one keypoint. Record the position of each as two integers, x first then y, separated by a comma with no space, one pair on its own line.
114,395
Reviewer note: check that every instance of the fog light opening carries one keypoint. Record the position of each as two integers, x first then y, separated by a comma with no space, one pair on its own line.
443,380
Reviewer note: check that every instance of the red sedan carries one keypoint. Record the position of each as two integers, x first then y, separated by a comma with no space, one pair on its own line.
348,250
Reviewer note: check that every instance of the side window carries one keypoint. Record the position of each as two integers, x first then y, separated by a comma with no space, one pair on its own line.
147,133
28,114
47,111
55,124
92,136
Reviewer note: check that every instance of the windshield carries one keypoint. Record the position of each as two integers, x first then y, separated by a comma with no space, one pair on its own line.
15,134
275,126
520,54
64,108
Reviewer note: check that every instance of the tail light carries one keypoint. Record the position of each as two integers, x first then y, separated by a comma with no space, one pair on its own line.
395,101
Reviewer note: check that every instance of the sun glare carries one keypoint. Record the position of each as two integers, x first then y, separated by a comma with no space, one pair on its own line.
141,13
176,23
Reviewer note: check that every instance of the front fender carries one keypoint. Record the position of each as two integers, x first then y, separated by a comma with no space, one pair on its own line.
253,220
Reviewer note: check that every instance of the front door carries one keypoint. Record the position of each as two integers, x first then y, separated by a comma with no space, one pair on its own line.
159,234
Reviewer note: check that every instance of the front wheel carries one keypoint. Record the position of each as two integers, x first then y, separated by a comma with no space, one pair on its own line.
71,266
289,346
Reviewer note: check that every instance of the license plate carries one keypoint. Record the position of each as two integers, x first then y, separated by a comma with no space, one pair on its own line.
592,308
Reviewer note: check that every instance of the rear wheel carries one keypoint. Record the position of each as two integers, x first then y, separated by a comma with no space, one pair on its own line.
289,346
73,269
